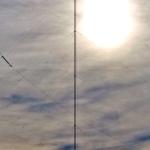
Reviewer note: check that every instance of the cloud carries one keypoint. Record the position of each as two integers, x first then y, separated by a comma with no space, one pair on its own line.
19,99
36,96
67,147
45,107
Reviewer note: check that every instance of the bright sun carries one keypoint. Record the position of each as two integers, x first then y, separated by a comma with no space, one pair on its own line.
107,23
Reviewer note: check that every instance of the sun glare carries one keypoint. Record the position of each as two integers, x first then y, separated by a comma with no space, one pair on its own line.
107,23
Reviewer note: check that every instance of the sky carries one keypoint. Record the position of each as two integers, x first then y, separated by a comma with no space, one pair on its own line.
36,94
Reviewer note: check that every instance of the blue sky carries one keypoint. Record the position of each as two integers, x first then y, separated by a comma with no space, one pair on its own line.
36,95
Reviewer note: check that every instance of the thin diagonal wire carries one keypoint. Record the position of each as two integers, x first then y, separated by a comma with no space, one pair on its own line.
27,80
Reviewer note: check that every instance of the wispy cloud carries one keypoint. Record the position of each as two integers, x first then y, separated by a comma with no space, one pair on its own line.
36,96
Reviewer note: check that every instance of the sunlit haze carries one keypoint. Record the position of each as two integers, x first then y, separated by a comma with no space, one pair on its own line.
107,23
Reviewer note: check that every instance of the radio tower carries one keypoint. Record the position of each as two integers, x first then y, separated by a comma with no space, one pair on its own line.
75,75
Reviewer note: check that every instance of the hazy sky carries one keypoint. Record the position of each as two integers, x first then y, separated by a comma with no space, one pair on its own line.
36,95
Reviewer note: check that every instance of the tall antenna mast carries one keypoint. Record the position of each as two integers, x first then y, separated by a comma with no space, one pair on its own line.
75,75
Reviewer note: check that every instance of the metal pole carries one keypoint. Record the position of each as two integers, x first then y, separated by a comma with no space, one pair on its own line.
75,75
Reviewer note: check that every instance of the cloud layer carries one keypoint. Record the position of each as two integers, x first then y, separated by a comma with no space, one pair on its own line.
36,95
